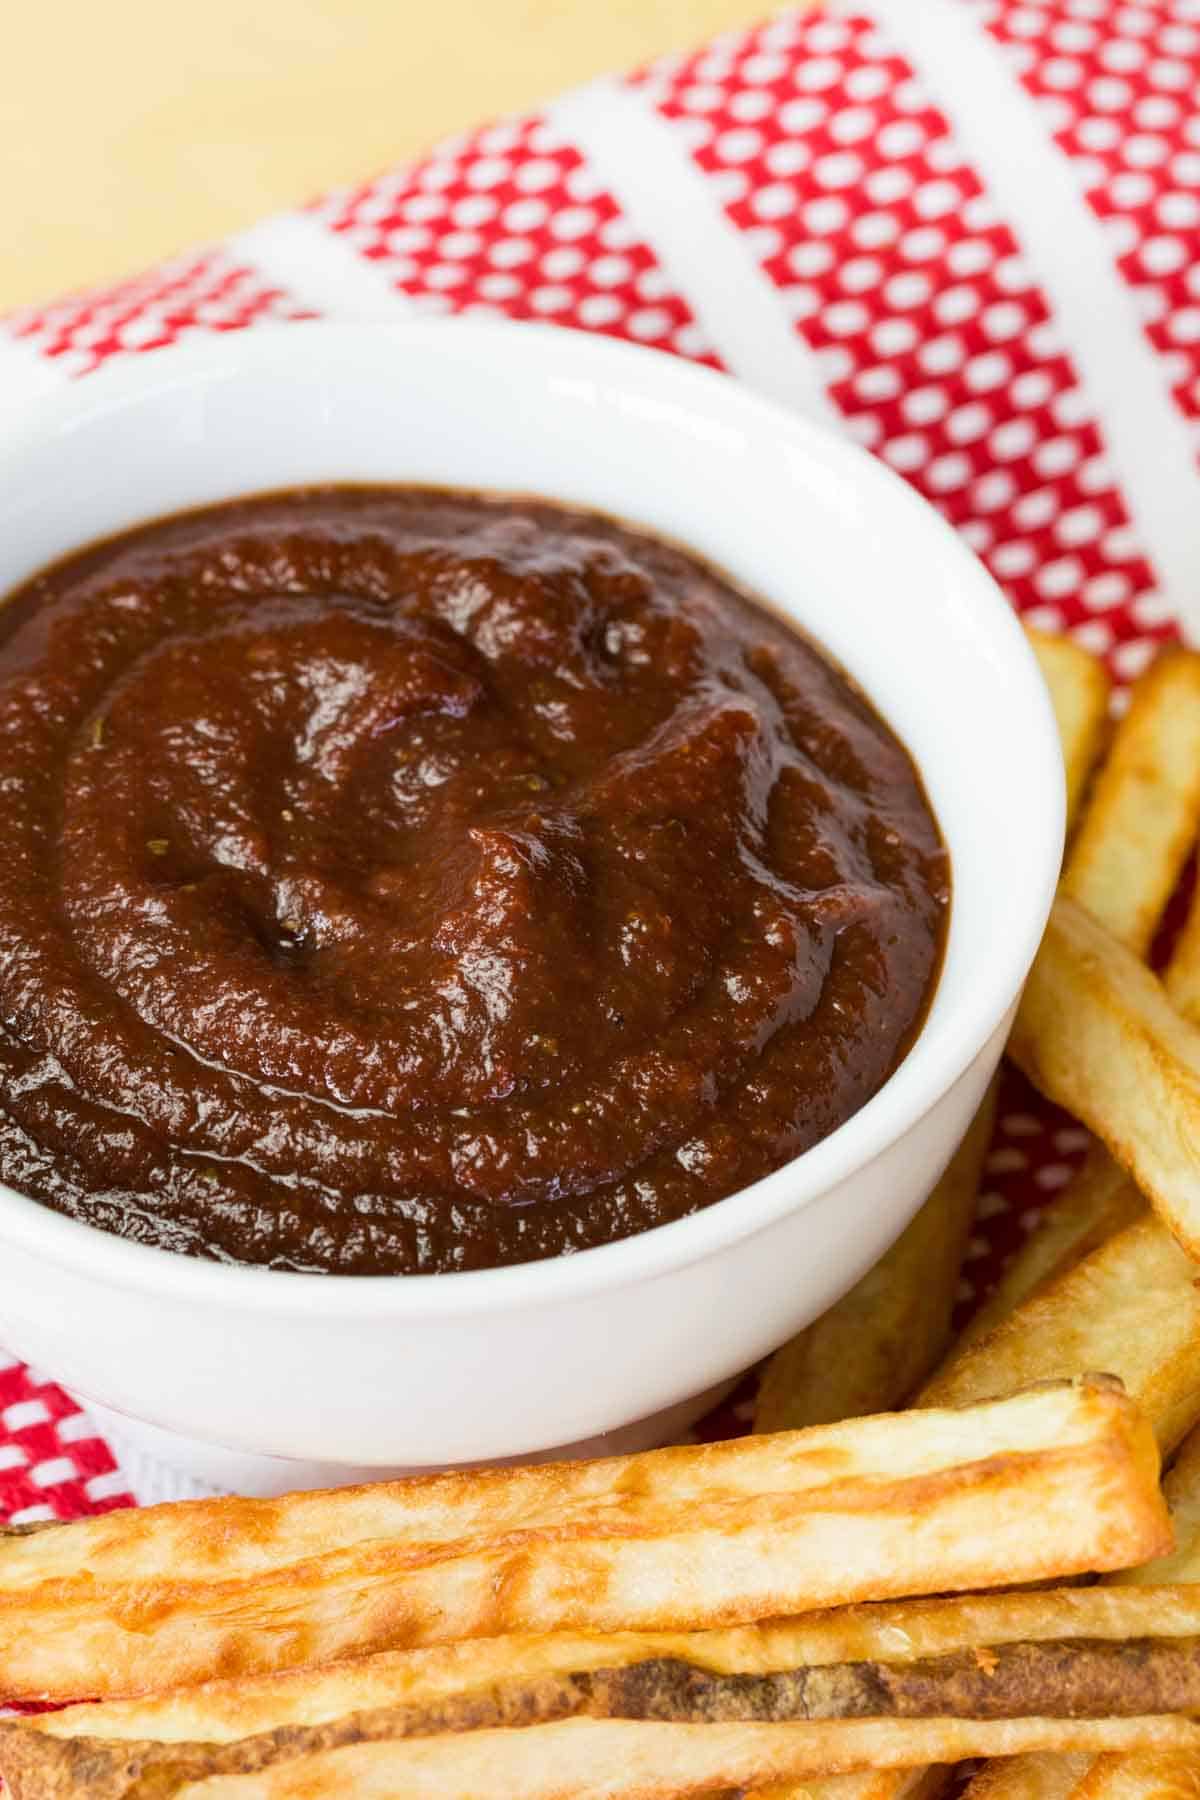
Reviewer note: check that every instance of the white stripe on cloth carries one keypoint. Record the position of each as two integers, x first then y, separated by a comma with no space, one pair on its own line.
148,1479
639,160
1038,194
318,269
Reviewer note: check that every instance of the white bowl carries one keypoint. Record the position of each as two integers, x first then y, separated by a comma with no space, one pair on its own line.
382,1372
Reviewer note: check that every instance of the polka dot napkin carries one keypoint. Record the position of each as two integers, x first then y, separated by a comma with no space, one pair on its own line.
967,232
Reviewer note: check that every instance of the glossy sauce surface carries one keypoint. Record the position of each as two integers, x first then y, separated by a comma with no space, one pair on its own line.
398,880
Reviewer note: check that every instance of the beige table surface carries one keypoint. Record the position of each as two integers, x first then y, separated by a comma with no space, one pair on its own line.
132,128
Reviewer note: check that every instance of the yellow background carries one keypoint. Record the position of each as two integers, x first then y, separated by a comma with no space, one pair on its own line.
132,128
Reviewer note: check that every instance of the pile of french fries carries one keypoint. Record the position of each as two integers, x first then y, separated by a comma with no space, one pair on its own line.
930,1551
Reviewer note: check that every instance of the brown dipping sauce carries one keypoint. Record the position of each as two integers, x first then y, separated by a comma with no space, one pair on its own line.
398,880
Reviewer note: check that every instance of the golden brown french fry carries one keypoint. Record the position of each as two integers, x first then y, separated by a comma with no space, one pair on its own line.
903,1503
587,1759
896,1639
1096,1032
1099,1202
864,1784
979,1659
1144,812
1033,1777
1149,1777
1181,1490
1182,978
874,1348
1124,862
900,1635
1120,1778
1045,1776
197,1542
1079,691
1101,1199
1142,1777
1132,1306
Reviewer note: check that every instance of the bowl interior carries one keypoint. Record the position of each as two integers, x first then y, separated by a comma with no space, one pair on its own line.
816,527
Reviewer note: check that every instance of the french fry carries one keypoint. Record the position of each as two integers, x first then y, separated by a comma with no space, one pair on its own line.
1182,977
1111,1777
1150,1777
582,1759
1181,1490
1102,1198
1132,1306
1145,1777
865,1784
1096,1032
903,1503
1120,1778
1050,1663
1123,864
1144,812
1079,691
873,1349
1097,1204
1031,1777
891,1638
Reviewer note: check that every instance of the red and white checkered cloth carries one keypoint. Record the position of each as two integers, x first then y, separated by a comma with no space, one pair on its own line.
965,231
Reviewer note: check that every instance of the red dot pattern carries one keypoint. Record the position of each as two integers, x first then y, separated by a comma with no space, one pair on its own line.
934,339
1036,1150
510,221
52,1465
211,292
1119,89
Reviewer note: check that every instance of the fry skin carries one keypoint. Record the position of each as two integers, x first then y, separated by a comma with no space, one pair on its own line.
1101,1199
896,1633
1123,863
1133,1305
1120,1778
1096,1033
865,1784
1073,1656
1031,1777
1181,1491
576,1759
908,1502
1144,811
